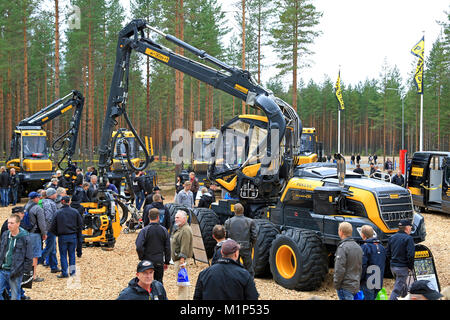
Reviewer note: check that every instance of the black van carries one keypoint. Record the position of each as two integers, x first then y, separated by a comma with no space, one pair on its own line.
429,180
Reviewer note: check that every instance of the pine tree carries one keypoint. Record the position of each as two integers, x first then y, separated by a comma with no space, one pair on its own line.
293,33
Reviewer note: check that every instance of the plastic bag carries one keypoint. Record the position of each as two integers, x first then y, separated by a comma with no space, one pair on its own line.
183,279
382,295
359,295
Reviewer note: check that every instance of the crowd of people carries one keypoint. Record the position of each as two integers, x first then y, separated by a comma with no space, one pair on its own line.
231,274
30,235
53,217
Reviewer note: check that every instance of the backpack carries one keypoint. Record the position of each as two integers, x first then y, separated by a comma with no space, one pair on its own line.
148,183
161,215
26,223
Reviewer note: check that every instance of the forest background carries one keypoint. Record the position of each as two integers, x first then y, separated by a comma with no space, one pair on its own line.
44,55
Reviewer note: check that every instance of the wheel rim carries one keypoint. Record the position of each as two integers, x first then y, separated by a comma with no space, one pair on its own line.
286,261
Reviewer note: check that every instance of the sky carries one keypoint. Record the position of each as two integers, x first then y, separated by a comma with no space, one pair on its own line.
358,37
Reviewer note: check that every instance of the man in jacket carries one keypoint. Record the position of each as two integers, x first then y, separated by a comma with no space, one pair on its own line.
358,169
14,183
348,264
49,253
243,230
218,234
194,185
67,225
400,251
93,188
143,287
182,249
37,229
138,189
185,197
153,244
226,279
206,199
4,186
398,179
164,215
373,262
16,257
80,195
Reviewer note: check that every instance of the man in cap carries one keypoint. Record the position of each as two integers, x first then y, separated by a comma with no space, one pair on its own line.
422,290
67,225
49,253
37,228
143,286
227,279
400,251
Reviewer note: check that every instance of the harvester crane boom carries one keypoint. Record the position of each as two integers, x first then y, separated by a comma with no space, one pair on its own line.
234,81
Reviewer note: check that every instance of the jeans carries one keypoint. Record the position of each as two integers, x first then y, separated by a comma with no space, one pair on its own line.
14,192
140,198
49,253
14,284
369,294
67,243
400,285
344,294
4,192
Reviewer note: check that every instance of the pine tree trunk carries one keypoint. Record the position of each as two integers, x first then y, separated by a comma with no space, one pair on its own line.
9,109
91,91
3,133
295,61
25,66
243,46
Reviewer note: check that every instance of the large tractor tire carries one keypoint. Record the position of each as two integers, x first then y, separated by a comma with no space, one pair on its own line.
207,219
267,232
298,260
173,208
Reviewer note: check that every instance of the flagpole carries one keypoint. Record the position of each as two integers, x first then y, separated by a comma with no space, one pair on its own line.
421,121
421,98
339,130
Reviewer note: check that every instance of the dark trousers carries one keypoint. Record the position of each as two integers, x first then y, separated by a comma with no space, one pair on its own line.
159,272
247,261
67,243
14,192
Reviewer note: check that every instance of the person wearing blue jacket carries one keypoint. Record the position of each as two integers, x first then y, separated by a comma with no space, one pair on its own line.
373,263
400,251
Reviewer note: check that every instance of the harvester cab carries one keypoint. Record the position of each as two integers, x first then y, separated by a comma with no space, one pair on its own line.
310,147
29,147
202,145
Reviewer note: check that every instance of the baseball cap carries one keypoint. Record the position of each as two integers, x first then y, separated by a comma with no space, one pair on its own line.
425,288
229,247
18,209
33,194
65,199
144,265
404,222
50,192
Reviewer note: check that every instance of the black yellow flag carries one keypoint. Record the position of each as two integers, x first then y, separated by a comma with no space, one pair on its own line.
418,76
418,51
339,92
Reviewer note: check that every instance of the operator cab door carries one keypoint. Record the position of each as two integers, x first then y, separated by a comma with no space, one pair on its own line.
436,175
445,185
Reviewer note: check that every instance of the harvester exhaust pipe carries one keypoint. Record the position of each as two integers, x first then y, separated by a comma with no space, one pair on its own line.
340,162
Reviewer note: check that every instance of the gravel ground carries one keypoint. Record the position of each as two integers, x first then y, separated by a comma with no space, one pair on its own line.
103,274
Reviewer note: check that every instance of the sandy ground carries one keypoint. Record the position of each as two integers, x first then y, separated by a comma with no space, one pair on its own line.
103,274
